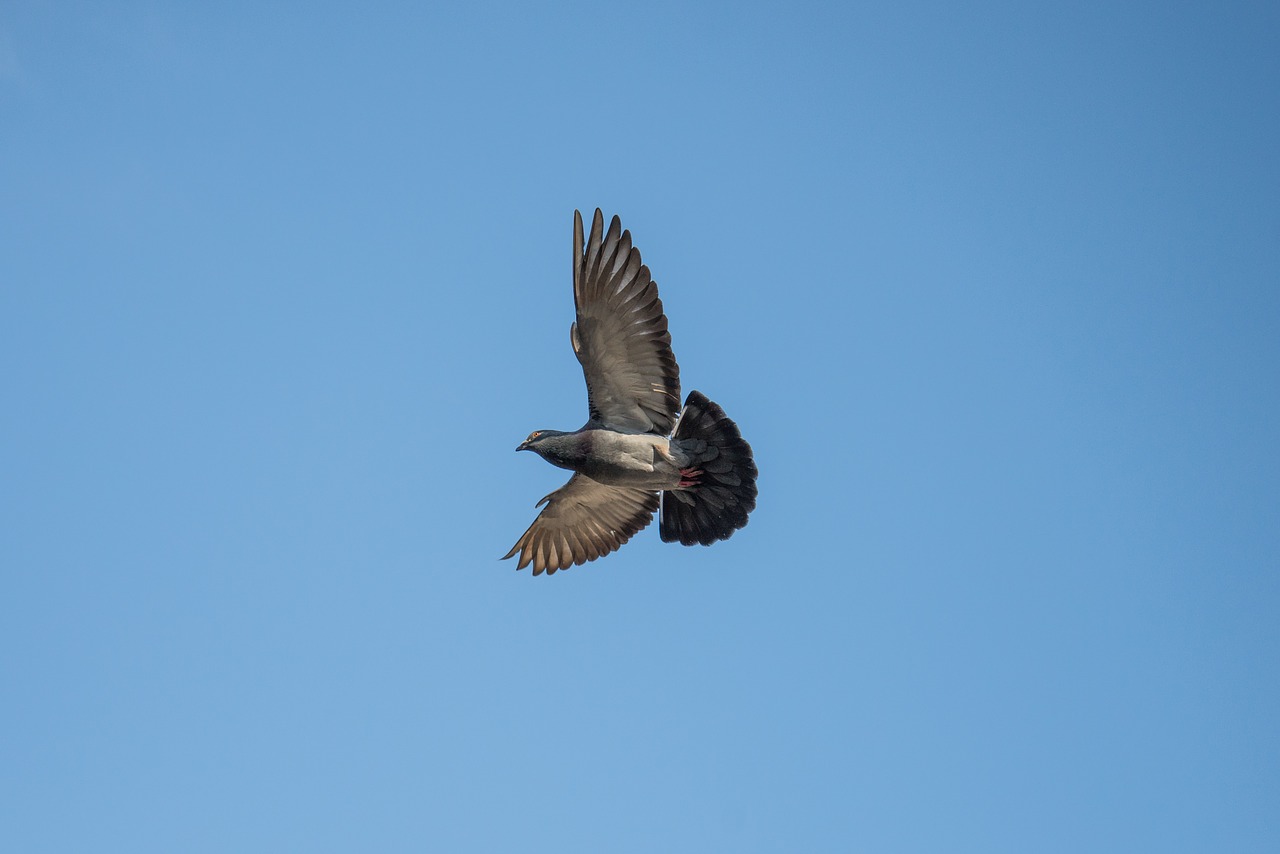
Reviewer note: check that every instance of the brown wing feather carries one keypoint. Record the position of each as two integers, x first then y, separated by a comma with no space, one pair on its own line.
583,520
621,337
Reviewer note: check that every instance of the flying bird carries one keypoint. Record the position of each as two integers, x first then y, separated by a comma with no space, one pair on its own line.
639,451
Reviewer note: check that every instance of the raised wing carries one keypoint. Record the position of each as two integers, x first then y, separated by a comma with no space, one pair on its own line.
583,520
621,337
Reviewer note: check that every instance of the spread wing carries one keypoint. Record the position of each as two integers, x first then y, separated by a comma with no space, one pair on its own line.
621,337
583,520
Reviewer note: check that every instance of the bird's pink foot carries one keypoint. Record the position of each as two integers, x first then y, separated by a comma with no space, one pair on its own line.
689,477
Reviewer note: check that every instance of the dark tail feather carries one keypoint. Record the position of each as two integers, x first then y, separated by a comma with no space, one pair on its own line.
726,493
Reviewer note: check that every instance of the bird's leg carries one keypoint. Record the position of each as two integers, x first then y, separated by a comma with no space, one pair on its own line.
689,477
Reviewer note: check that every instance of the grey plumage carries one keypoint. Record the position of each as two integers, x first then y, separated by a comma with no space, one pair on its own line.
583,520
637,441
620,336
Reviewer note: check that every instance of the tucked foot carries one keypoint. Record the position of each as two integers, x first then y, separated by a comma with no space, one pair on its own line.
689,477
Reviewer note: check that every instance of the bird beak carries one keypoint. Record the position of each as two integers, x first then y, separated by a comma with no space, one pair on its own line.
523,446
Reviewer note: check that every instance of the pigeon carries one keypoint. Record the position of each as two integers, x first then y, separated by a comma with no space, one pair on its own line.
639,451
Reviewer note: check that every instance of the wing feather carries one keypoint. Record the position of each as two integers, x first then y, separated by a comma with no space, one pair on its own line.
583,520
620,336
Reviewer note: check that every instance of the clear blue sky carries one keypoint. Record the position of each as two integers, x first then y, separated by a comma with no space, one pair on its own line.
993,290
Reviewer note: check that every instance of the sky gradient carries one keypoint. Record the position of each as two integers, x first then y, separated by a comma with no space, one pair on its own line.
993,291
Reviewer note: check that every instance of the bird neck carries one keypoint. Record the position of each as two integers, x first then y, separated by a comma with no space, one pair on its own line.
568,451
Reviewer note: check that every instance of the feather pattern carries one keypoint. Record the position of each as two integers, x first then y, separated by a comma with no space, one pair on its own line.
582,521
620,336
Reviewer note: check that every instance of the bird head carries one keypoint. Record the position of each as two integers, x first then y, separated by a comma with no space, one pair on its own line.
536,437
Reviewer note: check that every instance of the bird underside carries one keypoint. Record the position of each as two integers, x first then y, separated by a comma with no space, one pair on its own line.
644,461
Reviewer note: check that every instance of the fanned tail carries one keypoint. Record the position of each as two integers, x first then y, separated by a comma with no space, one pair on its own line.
725,492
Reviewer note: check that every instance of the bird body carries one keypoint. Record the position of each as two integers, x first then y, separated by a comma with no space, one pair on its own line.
614,459
639,451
